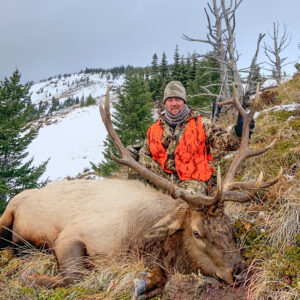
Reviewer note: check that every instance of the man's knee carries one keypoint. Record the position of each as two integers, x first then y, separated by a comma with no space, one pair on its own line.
194,187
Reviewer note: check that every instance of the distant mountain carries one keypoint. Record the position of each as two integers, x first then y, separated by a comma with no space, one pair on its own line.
74,86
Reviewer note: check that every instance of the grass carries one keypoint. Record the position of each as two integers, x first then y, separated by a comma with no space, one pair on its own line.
268,228
109,280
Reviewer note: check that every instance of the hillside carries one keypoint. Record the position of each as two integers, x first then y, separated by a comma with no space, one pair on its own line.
70,137
78,85
267,228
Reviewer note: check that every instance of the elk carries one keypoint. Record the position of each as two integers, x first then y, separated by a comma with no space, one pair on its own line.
112,217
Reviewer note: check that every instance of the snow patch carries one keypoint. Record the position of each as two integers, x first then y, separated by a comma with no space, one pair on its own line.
75,140
287,107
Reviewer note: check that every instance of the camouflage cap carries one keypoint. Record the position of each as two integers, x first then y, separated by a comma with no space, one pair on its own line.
174,89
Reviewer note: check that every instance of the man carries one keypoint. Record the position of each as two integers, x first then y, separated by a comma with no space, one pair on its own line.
180,143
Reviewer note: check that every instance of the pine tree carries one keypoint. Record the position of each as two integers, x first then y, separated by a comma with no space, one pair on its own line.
163,75
193,67
204,76
176,68
154,67
188,68
164,71
16,174
154,81
131,119
182,71
90,101
54,105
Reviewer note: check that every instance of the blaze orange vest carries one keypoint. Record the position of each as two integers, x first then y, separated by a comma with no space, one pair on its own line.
191,158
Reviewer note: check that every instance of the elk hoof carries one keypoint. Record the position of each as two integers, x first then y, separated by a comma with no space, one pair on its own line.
32,271
139,287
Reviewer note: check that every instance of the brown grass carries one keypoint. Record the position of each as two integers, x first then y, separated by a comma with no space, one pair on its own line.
269,226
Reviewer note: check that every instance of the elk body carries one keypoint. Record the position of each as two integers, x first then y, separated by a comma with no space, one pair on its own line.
113,217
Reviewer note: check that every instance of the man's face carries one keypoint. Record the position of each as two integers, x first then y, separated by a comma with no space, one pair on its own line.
174,105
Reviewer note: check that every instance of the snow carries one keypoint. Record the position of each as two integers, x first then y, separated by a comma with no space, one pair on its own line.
74,85
287,107
269,83
71,143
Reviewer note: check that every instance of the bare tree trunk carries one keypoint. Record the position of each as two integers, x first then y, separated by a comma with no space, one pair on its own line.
253,73
274,53
229,18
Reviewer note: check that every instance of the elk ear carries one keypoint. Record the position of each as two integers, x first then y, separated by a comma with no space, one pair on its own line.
168,225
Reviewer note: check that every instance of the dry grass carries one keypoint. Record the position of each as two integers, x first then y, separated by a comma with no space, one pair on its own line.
284,225
265,284
108,280
268,227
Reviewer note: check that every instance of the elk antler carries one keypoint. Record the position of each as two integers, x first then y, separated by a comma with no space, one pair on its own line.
243,153
127,159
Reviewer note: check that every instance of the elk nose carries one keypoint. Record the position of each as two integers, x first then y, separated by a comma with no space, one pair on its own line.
240,271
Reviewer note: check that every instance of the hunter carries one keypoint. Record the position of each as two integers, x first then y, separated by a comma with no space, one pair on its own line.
180,142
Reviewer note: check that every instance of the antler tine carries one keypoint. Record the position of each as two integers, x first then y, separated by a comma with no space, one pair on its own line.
105,115
237,104
252,186
205,200
234,101
243,153
127,160
240,197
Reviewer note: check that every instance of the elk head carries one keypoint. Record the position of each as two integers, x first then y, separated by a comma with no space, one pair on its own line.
207,232
207,242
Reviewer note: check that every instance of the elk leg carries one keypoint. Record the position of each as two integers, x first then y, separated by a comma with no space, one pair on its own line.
69,255
150,284
37,279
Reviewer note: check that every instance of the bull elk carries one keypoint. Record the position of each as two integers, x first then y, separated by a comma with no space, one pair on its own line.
112,217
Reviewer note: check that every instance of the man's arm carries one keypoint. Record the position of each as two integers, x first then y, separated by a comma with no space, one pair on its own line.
219,139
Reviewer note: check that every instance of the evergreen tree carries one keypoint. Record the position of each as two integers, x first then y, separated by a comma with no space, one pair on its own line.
154,81
176,67
193,68
154,66
204,76
163,75
164,71
90,101
16,174
54,104
131,119
182,72
188,68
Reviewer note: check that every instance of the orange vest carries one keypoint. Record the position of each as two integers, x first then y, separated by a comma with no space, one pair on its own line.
191,158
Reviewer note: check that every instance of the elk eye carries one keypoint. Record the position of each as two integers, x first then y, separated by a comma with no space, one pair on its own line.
197,235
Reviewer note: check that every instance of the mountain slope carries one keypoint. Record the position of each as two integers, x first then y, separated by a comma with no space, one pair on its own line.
72,139
77,85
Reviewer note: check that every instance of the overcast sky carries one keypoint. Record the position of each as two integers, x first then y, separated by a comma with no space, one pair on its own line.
48,37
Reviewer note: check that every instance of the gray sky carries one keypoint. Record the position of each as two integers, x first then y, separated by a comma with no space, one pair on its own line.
47,37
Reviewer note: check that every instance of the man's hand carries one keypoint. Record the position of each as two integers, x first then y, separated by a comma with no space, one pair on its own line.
239,127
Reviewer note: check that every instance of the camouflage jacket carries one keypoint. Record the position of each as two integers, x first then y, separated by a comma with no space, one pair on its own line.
218,140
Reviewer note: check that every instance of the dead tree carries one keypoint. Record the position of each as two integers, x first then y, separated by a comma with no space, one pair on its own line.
253,70
214,38
273,53
221,36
